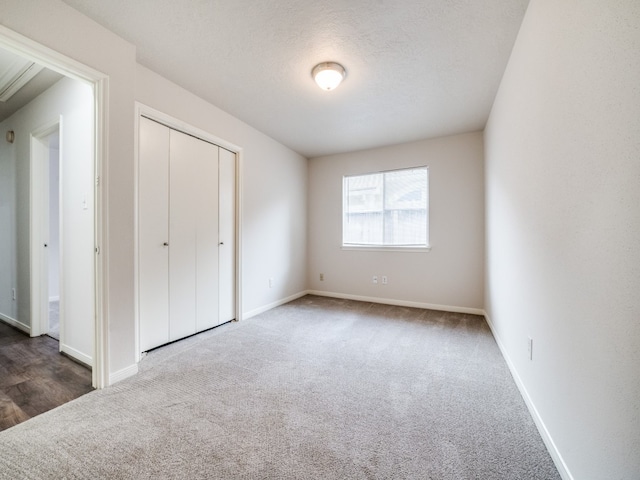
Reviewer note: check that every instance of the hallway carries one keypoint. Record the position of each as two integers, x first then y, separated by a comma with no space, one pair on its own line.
35,377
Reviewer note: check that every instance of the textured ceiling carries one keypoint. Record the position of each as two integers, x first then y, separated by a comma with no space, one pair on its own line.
415,68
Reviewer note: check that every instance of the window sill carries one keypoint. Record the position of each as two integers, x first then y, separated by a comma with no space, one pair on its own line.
380,248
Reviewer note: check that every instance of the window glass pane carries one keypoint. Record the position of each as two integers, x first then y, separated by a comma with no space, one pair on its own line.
363,209
405,207
388,208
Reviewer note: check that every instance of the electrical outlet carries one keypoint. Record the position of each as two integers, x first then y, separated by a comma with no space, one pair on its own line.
384,280
322,277
270,282
530,348
375,279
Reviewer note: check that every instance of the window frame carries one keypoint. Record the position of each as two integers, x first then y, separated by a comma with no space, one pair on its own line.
385,248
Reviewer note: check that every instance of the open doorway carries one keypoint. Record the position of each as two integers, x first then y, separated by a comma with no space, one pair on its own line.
31,301
53,325
49,162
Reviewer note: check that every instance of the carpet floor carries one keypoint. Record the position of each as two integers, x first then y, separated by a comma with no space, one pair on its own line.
317,388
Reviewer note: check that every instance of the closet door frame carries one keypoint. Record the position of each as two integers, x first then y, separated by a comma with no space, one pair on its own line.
142,110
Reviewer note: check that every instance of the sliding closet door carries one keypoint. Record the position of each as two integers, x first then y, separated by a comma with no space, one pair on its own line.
186,239
227,230
153,219
183,217
206,186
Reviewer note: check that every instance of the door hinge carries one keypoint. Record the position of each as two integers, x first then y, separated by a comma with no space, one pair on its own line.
97,181
98,250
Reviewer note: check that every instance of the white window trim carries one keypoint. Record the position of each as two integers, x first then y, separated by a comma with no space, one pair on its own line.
382,248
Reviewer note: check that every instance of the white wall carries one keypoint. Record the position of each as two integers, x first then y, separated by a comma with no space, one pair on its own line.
73,102
563,223
274,186
8,245
56,25
451,274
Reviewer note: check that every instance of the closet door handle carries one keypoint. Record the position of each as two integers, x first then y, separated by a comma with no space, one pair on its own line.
221,243
165,244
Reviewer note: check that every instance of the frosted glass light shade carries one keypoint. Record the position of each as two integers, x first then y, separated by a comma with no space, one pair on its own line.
328,75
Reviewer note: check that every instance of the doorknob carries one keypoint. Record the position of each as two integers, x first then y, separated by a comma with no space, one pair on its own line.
165,244
45,245
221,243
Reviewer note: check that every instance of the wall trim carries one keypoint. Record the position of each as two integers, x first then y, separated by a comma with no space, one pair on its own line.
76,354
400,303
277,303
15,323
559,462
126,372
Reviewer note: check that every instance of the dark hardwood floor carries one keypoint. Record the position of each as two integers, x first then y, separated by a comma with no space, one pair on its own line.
35,377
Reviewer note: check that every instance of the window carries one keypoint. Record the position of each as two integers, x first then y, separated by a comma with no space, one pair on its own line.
386,209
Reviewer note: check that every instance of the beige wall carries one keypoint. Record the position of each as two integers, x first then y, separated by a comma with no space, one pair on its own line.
563,223
451,274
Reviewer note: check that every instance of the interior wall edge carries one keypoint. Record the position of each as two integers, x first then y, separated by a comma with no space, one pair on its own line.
399,303
272,305
123,373
556,456
15,323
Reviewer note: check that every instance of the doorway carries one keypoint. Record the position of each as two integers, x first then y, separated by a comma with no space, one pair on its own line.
51,211
62,217
55,320
45,151
39,290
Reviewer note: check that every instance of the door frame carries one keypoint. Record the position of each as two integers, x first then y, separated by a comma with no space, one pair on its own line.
99,82
39,232
142,110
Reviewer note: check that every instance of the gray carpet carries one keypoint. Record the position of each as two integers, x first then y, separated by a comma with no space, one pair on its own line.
318,388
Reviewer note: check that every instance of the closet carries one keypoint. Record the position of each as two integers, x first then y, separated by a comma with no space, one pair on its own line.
186,234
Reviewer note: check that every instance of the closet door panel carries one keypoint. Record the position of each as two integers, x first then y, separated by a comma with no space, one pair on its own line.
183,200
227,232
153,220
206,186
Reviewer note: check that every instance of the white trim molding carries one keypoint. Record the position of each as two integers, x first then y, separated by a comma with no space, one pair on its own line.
76,355
15,323
359,298
277,303
559,462
400,303
126,372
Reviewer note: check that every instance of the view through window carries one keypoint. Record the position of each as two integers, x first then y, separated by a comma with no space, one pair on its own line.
386,209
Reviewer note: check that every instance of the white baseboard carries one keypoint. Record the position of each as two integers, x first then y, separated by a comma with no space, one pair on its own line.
259,310
563,470
15,323
126,372
76,354
400,303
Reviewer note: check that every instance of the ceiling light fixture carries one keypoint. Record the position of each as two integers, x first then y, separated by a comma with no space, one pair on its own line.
328,75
